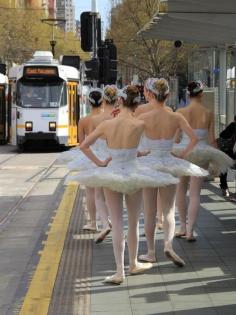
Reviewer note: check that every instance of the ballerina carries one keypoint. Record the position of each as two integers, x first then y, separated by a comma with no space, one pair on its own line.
204,154
122,174
95,99
160,125
110,96
139,111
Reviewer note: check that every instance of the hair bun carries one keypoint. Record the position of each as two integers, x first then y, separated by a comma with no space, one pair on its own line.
95,97
195,87
110,93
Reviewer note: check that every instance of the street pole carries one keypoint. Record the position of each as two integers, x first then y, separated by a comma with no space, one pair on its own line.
94,28
94,14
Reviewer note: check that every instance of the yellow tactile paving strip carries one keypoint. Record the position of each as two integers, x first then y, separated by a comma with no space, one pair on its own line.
39,294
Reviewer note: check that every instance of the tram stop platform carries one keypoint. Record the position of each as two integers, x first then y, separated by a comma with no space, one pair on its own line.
68,278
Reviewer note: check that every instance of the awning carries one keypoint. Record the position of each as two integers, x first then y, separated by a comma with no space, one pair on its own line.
207,22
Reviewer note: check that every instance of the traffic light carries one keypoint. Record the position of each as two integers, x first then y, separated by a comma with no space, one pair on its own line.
112,61
3,68
92,69
86,19
107,55
103,56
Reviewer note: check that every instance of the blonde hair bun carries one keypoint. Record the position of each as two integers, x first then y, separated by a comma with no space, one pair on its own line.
110,93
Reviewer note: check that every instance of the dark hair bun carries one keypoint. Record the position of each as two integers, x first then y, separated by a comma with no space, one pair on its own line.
195,88
133,97
95,98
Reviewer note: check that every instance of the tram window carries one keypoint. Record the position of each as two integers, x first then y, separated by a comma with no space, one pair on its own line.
41,94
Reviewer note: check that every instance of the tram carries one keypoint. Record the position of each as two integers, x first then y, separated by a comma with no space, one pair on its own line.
44,101
3,108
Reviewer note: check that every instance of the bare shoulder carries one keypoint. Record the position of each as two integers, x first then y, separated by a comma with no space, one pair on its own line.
85,120
141,109
181,110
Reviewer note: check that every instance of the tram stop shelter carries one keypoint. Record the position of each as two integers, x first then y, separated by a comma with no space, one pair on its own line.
210,24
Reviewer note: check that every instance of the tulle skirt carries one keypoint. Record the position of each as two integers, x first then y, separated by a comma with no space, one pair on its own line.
126,177
207,157
166,162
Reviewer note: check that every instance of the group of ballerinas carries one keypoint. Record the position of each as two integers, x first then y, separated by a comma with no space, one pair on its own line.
145,153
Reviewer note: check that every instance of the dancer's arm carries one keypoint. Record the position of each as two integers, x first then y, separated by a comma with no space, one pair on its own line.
81,130
90,139
185,127
177,137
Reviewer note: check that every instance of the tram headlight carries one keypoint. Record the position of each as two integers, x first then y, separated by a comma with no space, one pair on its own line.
52,126
28,126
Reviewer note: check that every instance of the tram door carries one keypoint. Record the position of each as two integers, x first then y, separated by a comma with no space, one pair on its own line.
73,113
3,115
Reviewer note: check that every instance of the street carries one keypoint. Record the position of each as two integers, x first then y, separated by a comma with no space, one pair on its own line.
30,191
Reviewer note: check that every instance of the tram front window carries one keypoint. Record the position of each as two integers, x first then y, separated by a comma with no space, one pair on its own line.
42,94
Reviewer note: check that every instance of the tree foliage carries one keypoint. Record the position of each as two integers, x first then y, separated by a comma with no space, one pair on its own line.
139,55
22,32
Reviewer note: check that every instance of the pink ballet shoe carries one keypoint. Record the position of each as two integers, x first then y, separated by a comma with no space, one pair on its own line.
140,268
115,279
147,258
172,256
102,235
90,227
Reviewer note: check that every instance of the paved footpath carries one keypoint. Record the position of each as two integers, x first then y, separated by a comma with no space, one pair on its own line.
205,286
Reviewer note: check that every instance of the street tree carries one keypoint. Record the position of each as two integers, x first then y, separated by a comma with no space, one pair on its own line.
145,57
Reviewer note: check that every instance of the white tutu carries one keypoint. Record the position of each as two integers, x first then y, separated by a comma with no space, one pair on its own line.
77,160
205,155
123,174
161,158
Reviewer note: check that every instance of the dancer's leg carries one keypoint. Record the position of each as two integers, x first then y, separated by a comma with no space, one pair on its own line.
150,211
167,196
159,213
134,204
181,203
194,203
101,207
167,199
115,203
91,207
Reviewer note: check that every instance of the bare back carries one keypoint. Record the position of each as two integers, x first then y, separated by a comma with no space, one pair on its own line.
123,133
160,123
84,127
197,116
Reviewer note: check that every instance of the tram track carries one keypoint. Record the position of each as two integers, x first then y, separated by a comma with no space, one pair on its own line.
6,219
8,159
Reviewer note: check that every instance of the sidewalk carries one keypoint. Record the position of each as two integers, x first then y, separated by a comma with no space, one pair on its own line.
206,285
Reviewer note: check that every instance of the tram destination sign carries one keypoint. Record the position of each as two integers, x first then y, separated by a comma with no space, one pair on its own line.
30,71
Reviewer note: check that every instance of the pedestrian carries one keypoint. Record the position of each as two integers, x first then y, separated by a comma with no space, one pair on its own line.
160,125
122,175
204,155
226,143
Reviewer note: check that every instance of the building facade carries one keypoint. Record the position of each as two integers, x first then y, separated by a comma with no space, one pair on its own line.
66,10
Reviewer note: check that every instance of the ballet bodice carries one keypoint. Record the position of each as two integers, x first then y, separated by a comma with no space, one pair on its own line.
123,156
158,147
202,135
99,145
